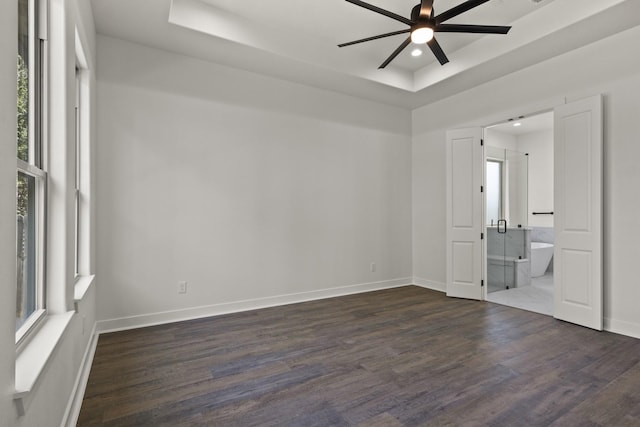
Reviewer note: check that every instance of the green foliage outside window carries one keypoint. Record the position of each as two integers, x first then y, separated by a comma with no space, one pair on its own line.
23,131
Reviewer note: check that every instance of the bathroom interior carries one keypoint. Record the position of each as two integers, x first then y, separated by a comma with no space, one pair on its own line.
519,213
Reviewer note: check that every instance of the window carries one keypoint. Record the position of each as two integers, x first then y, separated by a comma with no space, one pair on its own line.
82,171
494,191
31,179
77,175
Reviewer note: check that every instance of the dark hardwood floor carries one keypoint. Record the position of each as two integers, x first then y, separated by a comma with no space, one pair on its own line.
400,357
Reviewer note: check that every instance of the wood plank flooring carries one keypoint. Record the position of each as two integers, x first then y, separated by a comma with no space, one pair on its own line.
400,357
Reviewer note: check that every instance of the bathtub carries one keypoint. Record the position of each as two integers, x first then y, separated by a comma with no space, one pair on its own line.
541,254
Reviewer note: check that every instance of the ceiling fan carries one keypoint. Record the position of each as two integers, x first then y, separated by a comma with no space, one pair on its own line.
424,23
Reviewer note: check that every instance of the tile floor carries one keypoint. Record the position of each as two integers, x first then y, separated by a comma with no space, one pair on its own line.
537,298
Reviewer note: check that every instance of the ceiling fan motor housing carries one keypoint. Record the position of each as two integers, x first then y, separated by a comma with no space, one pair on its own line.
420,23
415,13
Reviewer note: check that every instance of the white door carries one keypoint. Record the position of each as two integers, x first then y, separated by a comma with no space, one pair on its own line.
464,213
578,212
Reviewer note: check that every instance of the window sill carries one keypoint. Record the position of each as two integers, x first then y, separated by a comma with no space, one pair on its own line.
82,286
31,326
32,360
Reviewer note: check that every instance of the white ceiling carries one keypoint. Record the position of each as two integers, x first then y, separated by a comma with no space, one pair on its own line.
336,21
297,39
537,123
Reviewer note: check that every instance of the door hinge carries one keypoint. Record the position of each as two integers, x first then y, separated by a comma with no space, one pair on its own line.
482,142
481,236
482,283
482,188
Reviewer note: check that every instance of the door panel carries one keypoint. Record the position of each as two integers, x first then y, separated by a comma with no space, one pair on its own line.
575,269
462,268
464,213
577,159
462,182
578,216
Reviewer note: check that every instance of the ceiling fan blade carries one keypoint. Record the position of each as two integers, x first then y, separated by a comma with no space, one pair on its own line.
396,53
437,51
455,11
381,11
395,33
476,29
426,9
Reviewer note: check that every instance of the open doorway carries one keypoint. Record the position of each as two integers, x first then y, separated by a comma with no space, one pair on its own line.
577,213
519,196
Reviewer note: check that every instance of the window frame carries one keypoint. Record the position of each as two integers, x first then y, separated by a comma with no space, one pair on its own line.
82,182
33,320
77,174
34,167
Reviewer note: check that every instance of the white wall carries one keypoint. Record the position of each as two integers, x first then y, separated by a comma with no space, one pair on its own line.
495,138
244,186
49,400
429,210
604,67
539,145
8,52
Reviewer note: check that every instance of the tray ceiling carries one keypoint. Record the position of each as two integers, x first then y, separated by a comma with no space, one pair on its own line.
297,39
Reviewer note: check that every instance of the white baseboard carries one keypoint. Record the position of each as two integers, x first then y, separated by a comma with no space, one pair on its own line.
430,284
622,327
72,411
152,319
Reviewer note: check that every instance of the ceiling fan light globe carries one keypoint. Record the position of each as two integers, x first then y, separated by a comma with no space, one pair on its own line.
421,35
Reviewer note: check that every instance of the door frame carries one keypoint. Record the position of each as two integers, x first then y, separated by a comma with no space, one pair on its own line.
549,107
485,291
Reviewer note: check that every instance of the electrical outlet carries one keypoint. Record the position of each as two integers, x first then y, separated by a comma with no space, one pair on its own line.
373,267
182,287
